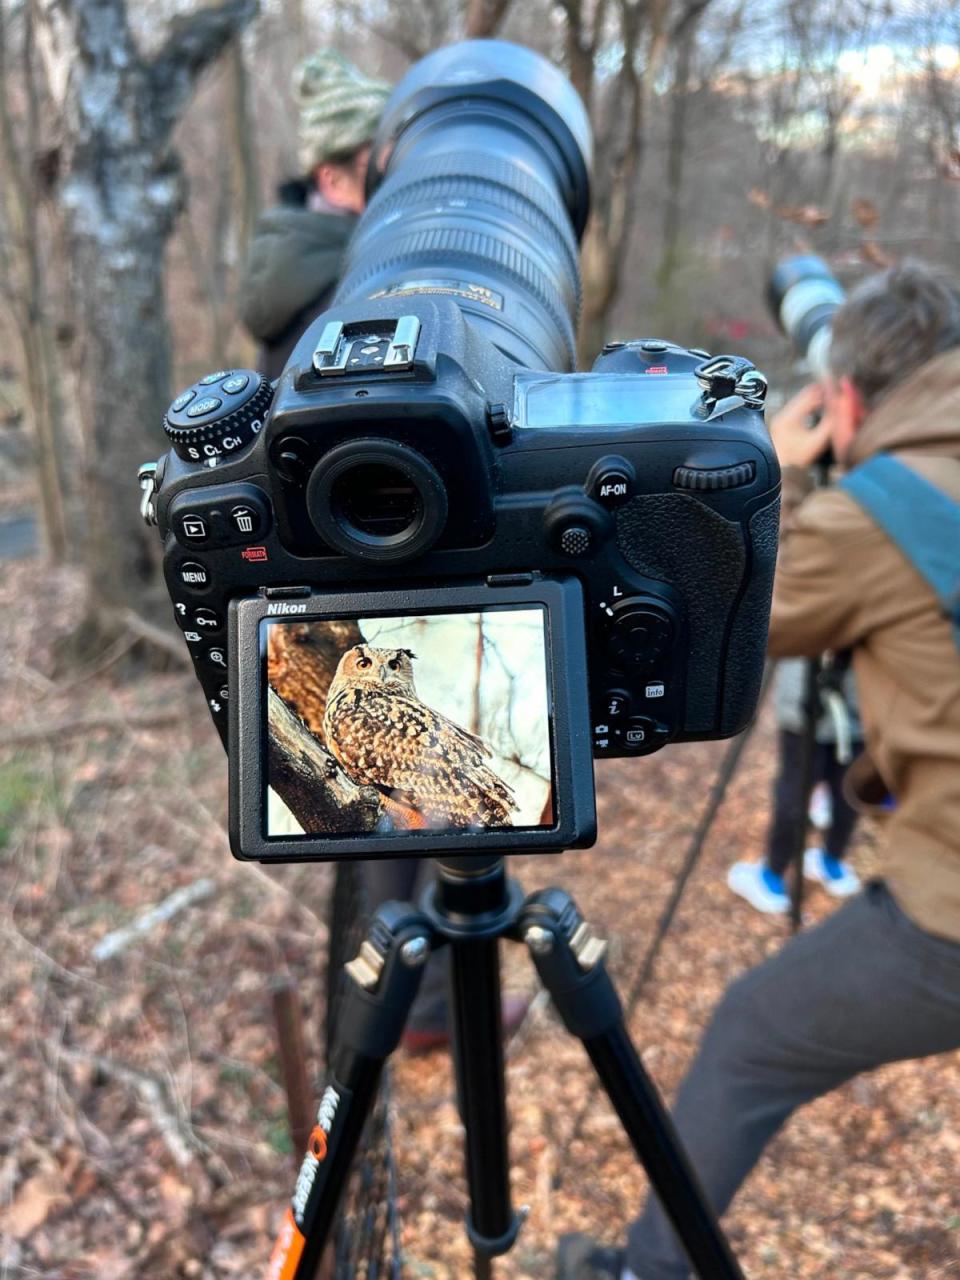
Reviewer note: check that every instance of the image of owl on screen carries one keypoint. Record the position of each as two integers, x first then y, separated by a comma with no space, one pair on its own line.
430,771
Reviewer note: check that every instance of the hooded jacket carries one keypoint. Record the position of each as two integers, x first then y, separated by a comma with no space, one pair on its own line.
841,583
289,276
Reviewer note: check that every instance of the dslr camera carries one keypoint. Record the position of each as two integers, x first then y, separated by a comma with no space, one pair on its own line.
431,573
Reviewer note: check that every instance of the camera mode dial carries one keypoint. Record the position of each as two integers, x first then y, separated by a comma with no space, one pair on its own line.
218,416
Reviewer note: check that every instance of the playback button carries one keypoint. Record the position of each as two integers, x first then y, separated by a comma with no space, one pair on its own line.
192,527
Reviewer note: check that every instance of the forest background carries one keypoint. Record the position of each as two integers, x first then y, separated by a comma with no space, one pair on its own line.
143,1124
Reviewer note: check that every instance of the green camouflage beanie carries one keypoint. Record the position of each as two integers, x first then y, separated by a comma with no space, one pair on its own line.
339,107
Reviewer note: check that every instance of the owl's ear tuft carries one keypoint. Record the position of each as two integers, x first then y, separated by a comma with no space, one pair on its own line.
410,654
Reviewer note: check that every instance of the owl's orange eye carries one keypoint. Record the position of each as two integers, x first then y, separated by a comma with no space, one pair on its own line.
364,662
394,664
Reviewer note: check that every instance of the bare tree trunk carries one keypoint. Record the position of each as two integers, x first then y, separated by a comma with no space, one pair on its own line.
29,300
483,18
243,146
676,149
619,135
120,200
294,25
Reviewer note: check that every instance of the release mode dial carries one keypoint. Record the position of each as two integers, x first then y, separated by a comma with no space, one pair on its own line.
218,416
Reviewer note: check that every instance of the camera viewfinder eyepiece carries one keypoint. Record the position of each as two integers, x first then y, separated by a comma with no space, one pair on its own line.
377,500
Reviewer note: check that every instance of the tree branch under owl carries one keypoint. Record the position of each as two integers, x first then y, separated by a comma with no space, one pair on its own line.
309,780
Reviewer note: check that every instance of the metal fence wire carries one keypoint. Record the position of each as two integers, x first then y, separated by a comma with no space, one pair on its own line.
366,1242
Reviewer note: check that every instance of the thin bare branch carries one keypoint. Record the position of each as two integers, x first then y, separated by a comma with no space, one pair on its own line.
194,42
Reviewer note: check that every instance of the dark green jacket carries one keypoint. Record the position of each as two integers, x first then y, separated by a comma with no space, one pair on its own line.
289,277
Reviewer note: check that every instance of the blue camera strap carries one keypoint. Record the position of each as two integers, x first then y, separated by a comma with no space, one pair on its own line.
920,519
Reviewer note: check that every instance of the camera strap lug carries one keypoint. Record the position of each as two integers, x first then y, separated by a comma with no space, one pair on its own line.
723,376
147,477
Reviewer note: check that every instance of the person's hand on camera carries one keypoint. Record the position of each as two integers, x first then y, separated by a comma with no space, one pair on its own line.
796,442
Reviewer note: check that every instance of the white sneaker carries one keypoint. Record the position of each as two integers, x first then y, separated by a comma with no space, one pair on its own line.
837,878
761,887
820,811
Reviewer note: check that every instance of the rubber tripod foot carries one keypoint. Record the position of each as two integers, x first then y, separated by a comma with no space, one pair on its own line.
494,1246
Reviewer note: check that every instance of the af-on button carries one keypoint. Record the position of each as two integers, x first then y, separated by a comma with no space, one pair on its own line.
611,481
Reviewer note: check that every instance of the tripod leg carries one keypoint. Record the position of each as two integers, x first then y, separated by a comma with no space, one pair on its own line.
492,1224
808,746
384,981
569,960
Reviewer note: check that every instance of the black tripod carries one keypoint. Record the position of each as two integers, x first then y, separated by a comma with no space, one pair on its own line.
470,906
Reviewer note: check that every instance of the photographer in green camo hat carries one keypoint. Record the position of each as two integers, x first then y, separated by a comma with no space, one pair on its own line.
294,260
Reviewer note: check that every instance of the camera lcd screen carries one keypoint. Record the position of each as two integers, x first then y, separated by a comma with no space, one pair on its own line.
430,722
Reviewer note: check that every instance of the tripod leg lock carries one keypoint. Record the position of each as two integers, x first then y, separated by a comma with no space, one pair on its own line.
570,961
385,976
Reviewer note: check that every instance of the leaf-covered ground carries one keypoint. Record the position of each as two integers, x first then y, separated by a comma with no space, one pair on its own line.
142,1123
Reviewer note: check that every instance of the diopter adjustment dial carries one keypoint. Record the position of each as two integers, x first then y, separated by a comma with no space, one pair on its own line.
218,416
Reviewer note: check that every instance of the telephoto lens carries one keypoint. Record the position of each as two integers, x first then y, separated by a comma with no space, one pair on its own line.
481,175
803,294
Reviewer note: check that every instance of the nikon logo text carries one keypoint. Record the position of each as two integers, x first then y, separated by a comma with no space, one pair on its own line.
285,606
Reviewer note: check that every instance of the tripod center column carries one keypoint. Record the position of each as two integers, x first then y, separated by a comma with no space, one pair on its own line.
473,905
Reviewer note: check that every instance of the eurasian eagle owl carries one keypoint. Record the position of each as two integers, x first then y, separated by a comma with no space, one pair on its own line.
431,772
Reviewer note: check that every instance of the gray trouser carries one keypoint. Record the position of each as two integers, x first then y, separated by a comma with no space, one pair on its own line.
864,988
404,879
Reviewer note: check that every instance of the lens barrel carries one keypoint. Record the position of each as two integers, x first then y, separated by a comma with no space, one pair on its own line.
803,295
482,160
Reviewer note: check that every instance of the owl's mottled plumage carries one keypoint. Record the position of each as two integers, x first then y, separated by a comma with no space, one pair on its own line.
431,772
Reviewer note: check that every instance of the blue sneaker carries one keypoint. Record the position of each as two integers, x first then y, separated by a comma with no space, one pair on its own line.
760,886
837,878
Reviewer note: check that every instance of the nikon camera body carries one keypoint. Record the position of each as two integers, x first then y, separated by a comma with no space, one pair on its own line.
425,440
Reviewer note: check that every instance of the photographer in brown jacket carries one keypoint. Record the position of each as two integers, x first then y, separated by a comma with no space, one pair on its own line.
879,980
